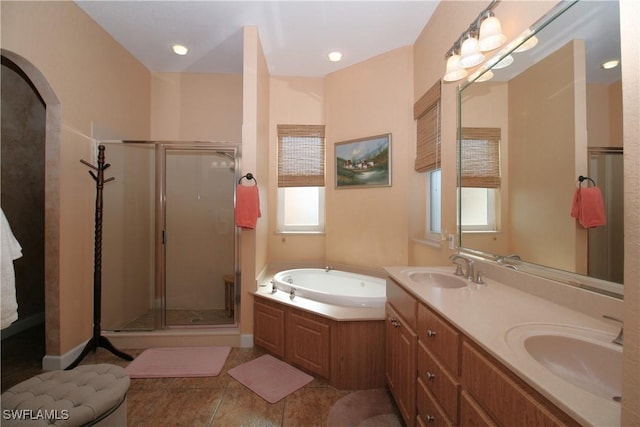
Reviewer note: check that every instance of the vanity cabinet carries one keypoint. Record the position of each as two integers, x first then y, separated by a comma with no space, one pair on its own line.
456,383
401,363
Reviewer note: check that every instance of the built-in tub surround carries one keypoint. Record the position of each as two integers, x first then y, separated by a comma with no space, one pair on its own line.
487,313
331,339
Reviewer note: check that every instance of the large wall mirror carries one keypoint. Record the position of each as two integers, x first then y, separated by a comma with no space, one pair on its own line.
547,116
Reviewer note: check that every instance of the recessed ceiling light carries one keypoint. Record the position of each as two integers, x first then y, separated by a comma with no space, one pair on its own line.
610,64
179,49
335,56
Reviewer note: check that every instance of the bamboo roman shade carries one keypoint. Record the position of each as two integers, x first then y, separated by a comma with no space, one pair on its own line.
301,155
480,157
427,113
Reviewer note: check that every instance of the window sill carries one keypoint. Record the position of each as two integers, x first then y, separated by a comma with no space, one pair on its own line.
290,233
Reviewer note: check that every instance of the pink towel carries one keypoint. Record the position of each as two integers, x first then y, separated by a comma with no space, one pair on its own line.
588,207
247,206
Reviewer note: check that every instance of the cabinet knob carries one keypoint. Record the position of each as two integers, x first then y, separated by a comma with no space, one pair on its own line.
431,376
431,333
429,418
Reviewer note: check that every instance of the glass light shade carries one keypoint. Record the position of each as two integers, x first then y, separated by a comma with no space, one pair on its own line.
491,36
531,42
470,56
488,75
504,63
454,72
179,49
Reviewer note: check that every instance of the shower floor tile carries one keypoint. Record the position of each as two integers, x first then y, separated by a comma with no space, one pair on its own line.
182,318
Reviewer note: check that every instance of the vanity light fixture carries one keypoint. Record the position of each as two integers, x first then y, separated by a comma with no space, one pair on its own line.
491,36
179,49
454,71
504,62
482,35
335,56
610,64
488,75
470,54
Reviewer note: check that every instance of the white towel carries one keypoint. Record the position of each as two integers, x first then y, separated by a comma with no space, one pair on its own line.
10,250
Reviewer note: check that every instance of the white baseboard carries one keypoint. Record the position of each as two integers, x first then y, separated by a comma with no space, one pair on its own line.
54,363
21,325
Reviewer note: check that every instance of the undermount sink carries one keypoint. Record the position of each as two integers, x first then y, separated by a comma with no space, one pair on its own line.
583,357
437,280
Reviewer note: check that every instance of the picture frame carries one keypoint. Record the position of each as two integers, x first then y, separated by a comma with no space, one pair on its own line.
364,162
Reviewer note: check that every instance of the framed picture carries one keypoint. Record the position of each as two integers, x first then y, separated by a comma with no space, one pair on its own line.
364,162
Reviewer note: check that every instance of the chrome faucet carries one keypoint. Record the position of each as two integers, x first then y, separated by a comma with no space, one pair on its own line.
469,263
620,338
292,293
328,268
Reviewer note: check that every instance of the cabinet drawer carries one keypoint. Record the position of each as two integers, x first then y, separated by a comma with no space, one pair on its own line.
429,412
506,398
443,386
403,303
441,339
471,414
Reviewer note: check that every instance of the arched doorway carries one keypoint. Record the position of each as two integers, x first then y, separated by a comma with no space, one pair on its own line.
51,202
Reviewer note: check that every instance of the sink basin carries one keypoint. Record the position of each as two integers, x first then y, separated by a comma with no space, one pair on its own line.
582,357
438,280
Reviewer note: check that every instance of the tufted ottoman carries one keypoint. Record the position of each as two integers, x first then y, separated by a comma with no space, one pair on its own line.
84,396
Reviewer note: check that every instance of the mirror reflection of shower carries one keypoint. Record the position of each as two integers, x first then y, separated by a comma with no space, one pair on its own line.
170,237
606,244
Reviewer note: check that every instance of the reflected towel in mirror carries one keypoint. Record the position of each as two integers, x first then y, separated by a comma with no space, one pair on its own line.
10,251
588,207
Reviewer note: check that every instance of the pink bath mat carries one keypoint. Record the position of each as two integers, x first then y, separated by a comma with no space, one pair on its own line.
178,362
270,378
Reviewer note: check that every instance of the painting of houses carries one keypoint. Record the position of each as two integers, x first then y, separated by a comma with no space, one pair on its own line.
364,162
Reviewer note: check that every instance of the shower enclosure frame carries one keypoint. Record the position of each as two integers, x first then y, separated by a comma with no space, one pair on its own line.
232,150
161,186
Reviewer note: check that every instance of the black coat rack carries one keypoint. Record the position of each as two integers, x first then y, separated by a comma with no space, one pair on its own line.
97,340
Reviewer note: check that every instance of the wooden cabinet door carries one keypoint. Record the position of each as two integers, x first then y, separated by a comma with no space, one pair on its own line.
268,327
401,364
308,343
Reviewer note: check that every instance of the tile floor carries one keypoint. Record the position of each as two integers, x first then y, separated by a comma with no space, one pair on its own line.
189,402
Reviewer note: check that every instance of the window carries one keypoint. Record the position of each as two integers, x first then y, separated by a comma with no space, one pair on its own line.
480,178
301,158
426,112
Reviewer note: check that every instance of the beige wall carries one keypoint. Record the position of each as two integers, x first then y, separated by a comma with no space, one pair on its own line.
196,107
630,30
540,160
368,226
449,20
293,100
255,159
604,114
97,84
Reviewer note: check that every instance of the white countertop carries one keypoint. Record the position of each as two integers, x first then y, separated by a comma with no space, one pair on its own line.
485,313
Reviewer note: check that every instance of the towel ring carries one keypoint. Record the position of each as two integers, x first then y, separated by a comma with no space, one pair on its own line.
583,178
250,177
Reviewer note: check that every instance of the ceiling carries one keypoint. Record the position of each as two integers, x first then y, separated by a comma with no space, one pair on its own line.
296,36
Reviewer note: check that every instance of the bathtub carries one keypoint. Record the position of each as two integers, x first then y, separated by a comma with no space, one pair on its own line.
332,287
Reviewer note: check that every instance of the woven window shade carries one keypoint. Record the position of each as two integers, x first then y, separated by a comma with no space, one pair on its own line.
427,113
301,155
480,157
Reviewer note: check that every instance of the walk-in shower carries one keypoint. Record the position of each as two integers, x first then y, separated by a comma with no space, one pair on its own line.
169,256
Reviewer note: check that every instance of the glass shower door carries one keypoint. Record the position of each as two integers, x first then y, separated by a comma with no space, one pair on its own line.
199,236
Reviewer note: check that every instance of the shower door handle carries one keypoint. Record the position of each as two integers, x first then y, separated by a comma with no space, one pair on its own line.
164,237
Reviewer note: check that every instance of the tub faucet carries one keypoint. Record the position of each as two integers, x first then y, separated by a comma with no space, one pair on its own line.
292,293
469,263
274,287
328,268
620,338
